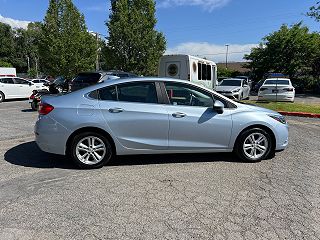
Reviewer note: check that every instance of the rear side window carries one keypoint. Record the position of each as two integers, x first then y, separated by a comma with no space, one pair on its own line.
20,81
142,92
108,94
7,80
87,78
275,82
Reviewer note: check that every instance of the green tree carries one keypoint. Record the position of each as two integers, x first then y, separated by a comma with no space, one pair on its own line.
66,47
315,12
133,43
5,64
290,50
7,49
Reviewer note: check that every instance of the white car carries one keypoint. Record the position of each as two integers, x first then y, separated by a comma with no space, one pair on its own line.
276,89
14,87
234,88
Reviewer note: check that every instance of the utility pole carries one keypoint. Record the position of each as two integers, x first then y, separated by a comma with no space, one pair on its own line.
227,45
28,60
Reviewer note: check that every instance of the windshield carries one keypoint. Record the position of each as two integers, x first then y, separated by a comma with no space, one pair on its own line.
276,82
230,83
87,77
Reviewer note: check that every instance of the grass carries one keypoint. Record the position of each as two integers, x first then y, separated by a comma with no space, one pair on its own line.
288,107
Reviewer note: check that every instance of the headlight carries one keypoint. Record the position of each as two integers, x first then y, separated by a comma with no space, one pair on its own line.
236,90
279,118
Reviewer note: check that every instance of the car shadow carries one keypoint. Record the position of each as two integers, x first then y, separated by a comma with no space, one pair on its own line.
28,110
29,155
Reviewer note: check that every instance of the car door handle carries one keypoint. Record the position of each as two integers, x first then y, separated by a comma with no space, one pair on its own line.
179,115
115,110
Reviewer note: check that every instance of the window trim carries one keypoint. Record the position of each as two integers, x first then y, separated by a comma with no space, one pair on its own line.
230,105
157,88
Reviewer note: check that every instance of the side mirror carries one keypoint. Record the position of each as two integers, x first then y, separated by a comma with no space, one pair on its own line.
218,107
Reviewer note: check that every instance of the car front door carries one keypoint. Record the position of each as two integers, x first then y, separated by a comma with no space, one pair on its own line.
8,88
132,112
194,124
246,89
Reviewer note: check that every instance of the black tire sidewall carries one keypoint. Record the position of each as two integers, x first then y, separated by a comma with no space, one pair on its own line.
3,97
80,164
240,141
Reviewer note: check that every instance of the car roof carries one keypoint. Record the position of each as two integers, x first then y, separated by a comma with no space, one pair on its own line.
277,79
237,79
111,82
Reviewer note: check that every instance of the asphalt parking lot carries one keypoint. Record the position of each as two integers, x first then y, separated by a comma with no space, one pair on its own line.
203,196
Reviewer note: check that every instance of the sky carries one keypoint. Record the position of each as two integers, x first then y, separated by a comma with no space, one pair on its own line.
196,27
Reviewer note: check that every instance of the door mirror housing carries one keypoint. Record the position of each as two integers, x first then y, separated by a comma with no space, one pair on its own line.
218,106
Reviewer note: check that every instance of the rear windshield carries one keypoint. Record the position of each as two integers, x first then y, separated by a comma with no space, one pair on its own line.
276,82
230,83
87,78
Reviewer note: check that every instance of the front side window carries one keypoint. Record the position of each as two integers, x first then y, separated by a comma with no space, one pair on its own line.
186,95
142,92
7,80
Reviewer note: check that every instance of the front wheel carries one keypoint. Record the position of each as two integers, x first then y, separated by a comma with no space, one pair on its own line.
254,145
91,150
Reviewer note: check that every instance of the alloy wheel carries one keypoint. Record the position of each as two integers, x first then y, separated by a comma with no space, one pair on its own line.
255,146
91,150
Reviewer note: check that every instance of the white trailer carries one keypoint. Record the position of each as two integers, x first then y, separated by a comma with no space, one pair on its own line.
186,67
8,72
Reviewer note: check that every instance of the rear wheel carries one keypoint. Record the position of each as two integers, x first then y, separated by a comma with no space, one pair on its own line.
2,97
91,150
34,106
254,145
60,89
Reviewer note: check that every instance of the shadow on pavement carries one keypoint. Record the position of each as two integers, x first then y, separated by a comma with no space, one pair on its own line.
29,155
28,110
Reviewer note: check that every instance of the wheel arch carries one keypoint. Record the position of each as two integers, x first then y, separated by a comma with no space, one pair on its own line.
90,129
263,127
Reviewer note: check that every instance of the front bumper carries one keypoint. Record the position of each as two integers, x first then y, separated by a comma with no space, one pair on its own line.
230,95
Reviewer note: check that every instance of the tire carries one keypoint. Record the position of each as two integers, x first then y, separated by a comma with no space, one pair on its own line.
60,89
34,106
2,97
83,153
254,152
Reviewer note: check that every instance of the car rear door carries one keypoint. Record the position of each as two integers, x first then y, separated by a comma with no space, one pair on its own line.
194,125
132,112
23,87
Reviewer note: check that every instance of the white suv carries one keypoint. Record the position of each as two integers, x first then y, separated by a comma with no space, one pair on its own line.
13,87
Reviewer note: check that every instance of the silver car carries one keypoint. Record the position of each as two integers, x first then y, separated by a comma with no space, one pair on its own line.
234,88
154,116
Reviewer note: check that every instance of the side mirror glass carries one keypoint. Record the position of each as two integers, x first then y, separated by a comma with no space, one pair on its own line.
218,107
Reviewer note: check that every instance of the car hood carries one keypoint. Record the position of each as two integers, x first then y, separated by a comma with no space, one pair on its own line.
227,88
255,108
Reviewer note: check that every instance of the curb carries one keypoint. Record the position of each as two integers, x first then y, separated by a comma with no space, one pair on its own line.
300,114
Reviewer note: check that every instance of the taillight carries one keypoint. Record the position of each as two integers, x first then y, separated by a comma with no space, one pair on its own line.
45,108
262,89
288,89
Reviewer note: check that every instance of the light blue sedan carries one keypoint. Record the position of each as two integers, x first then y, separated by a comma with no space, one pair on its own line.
154,116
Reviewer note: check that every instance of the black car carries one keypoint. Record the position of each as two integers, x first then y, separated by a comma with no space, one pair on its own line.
60,83
86,79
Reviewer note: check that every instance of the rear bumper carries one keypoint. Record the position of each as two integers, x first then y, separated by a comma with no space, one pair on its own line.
278,97
51,136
